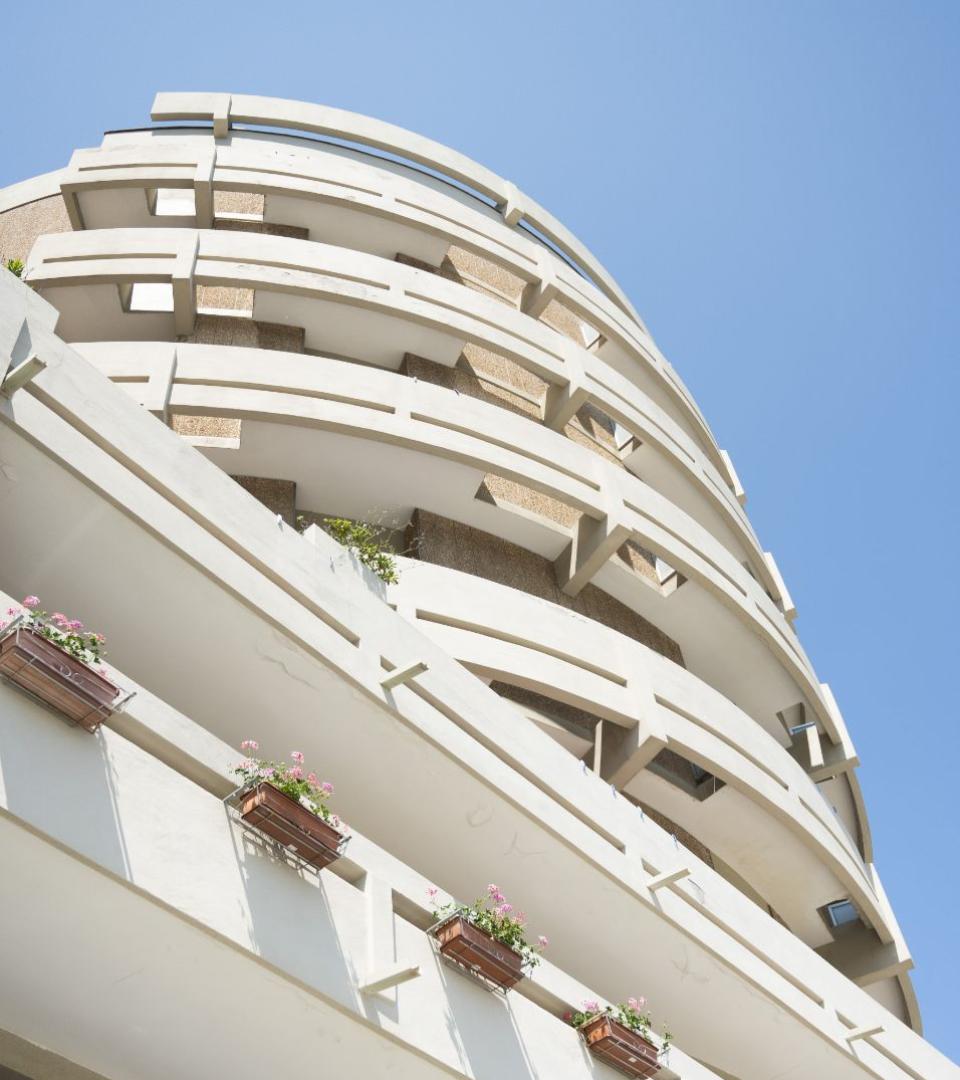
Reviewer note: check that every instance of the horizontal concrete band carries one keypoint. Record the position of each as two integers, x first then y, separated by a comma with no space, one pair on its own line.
286,267
131,436
527,641
381,406
251,165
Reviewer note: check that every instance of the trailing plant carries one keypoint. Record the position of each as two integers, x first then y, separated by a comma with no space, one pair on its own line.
367,542
304,788
15,266
67,634
632,1015
494,916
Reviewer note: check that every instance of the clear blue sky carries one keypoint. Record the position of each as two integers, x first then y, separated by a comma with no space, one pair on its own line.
776,186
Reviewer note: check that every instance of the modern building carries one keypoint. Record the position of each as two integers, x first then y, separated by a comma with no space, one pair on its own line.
585,686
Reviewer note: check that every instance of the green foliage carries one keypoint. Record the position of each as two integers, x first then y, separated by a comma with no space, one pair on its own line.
367,542
494,916
15,266
631,1015
302,787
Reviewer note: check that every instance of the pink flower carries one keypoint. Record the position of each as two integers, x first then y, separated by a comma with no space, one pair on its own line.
297,757
31,601
543,941
266,773
636,1003
326,787
568,1016
432,892
59,618
12,611
493,889
591,1006
249,744
296,772
74,624
312,779
100,639
503,910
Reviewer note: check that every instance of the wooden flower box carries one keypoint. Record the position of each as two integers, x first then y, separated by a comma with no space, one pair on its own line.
616,1045
66,684
472,949
293,826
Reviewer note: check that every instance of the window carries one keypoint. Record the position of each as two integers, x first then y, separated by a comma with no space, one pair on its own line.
841,913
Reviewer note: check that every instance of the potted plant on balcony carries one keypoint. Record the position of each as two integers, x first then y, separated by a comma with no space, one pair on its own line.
289,806
619,1035
53,658
486,939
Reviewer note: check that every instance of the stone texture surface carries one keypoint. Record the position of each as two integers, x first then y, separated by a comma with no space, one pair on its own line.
226,330
237,202
267,228
278,496
20,227
461,547
497,489
482,275
224,298
213,427
568,715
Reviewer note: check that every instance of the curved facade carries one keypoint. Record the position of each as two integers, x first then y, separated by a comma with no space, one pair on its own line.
586,684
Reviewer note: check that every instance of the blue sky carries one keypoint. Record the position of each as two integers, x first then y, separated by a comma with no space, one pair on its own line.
775,185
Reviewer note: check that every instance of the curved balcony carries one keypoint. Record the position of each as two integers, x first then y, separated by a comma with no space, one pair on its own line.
360,205
368,309
312,411
770,823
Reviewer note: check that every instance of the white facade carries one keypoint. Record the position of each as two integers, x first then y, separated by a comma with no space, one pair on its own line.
643,757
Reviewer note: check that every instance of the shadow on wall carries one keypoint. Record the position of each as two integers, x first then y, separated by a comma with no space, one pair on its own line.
483,1029
291,923
59,780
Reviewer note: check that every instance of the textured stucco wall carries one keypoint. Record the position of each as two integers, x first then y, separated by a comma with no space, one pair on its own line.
213,427
461,547
278,496
20,227
226,330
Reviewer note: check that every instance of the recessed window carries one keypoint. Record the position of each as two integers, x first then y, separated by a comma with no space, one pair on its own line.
841,913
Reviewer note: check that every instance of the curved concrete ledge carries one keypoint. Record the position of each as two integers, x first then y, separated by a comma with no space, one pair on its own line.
301,184
226,109
430,420
530,642
326,288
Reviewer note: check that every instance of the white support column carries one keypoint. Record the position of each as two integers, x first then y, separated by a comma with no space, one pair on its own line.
510,207
203,188
628,751
160,385
594,543
184,291
221,116
383,970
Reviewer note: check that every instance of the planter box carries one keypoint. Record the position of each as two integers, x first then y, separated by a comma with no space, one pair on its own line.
294,826
76,691
616,1045
479,954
